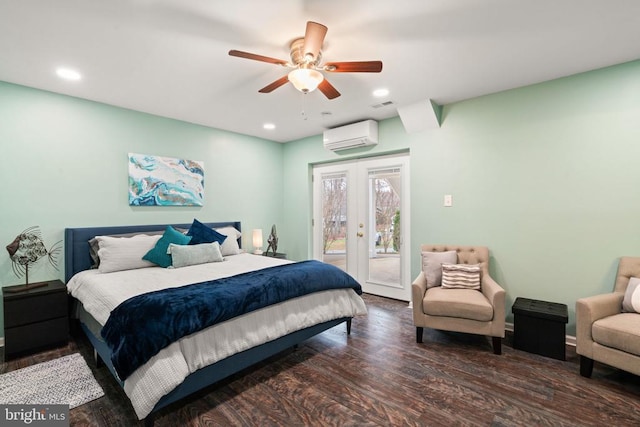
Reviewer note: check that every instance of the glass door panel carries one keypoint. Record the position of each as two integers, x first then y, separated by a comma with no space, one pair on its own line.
333,189
384,220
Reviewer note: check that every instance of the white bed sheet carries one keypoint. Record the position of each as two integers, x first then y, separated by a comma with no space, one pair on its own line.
100,293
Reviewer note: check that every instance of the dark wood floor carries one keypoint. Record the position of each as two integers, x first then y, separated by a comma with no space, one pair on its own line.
379,376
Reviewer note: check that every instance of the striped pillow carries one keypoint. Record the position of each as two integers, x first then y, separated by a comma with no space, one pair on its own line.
631,301
461,276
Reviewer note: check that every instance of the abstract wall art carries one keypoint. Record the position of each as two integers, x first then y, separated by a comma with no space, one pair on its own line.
165,181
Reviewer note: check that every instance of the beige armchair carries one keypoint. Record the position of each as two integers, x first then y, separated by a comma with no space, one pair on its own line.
460,310
603,332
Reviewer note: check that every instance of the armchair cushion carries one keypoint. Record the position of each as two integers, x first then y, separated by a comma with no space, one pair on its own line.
457,303
432,265
631,301
620,331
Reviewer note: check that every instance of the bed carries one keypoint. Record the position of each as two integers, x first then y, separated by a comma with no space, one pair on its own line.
193,360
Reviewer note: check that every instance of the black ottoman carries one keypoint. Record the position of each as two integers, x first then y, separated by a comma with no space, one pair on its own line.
539,327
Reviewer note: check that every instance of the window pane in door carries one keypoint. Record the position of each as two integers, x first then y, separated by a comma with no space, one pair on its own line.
334,219
384,217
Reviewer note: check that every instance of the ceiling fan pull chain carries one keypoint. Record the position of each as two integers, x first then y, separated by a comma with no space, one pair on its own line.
304,104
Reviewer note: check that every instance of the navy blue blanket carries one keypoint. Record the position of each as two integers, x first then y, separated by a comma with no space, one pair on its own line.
141,326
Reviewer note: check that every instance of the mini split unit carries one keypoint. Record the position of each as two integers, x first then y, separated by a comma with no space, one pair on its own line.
354,135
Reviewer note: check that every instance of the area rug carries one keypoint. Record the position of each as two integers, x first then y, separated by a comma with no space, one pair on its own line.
66,380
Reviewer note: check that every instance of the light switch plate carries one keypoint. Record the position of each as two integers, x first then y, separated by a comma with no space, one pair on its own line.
448,200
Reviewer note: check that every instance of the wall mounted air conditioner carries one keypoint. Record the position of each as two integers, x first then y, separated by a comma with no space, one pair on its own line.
351,136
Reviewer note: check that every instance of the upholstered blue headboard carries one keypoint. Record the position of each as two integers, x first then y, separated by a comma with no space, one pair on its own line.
76,241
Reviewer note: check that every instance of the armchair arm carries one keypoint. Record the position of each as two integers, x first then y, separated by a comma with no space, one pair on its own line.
590,309
418,289
496,296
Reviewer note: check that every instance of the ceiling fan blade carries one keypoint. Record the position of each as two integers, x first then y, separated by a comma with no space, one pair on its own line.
354,67
328,89
313,38
247,55
275,85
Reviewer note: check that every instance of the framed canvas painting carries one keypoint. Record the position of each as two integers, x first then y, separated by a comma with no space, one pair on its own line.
165,181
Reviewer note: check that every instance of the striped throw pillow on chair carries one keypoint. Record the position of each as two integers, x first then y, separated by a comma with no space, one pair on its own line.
461,276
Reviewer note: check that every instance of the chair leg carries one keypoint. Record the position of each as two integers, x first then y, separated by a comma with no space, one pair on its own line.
419,331
586,366
497,345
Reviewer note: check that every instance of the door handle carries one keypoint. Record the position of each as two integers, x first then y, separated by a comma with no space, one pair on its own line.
359,234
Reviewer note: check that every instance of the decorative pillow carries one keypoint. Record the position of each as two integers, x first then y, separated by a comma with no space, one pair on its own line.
631,301
93,244
461,276
200,233
122,253
183,256
432,265
158,255
230,245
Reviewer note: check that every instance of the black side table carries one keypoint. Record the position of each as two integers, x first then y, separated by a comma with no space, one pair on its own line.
276,255
35,318
539,327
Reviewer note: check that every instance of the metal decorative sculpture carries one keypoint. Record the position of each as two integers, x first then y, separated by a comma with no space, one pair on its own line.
28,248
272,241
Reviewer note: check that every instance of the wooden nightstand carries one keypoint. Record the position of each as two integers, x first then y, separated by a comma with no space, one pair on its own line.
35,318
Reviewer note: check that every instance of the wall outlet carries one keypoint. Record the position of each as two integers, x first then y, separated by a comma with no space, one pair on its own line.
448,200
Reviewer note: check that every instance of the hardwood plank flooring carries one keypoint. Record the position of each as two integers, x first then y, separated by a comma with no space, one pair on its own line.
379,376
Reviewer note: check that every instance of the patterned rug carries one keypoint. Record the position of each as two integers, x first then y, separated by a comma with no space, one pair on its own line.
66,380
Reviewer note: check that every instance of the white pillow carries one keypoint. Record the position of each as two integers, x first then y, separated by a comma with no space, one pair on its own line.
93,243
184,255
124,253
432,265
230,244
631,301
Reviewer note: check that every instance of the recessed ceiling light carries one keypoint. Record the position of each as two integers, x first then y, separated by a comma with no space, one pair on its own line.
269,126
380,92
68,74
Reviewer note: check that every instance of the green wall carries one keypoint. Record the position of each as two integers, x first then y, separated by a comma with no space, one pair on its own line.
546,176
64,164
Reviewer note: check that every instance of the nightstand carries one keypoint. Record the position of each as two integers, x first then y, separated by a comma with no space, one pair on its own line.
276,255
35,319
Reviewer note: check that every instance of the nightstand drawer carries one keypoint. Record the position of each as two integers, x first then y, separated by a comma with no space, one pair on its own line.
36,308
36,335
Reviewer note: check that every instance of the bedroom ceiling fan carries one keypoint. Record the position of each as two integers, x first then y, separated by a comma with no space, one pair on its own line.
306,62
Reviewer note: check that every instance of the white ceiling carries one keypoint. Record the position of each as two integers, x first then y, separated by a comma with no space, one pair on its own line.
169,57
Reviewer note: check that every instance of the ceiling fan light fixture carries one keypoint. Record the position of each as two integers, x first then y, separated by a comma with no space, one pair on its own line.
305,79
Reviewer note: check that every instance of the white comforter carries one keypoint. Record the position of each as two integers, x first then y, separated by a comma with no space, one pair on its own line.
100,293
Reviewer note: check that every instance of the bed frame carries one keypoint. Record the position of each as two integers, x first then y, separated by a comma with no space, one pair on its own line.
77,258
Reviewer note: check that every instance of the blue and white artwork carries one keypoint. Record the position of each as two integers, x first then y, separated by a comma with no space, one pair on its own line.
165,181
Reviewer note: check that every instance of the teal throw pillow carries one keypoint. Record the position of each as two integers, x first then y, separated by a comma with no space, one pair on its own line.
158,255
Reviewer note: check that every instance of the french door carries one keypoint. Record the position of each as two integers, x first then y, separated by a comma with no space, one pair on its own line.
361,220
